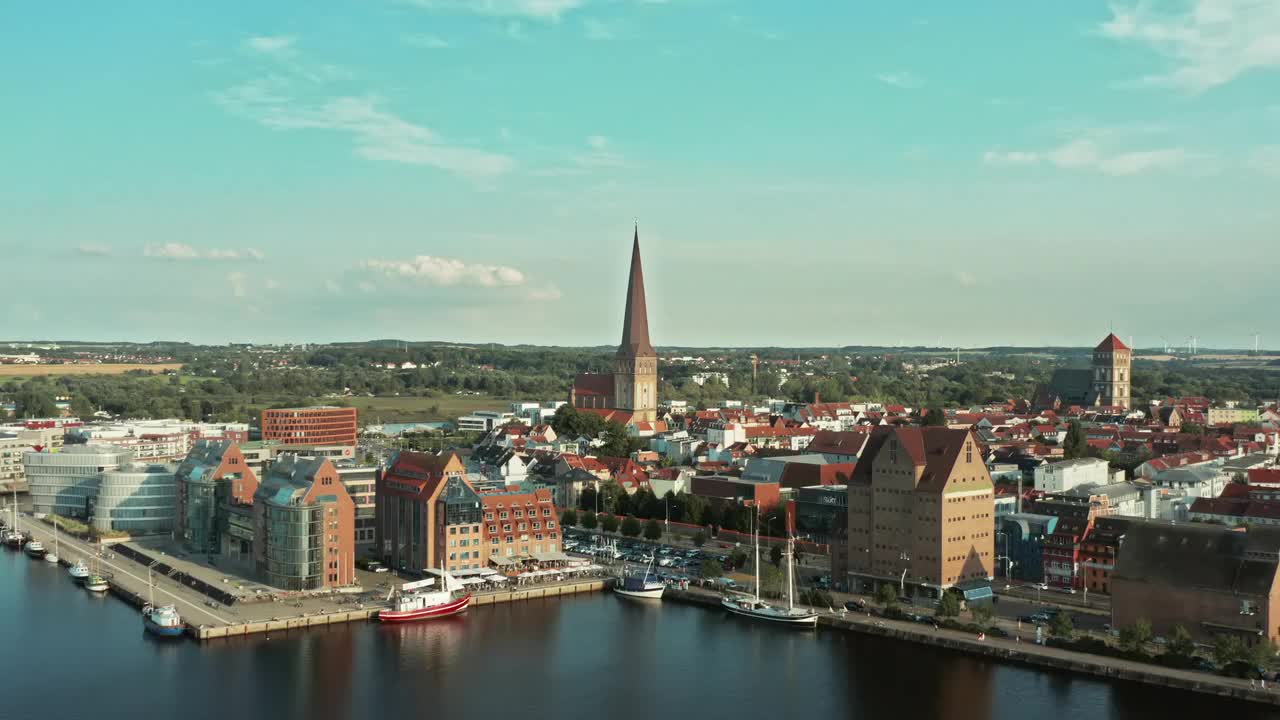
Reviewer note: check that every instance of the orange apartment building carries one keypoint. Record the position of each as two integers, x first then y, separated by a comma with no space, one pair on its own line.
521,526
921,512
310,425
304,525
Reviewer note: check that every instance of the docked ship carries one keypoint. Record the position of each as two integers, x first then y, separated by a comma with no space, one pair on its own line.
640,584
162,620
13,539
96,584
753,607
78,571
35,549
418,601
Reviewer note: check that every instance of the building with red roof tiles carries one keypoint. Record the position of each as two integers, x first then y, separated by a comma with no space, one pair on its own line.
921,512
428,515
520,526
839,446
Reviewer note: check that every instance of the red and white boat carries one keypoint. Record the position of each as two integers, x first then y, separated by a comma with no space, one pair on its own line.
418,601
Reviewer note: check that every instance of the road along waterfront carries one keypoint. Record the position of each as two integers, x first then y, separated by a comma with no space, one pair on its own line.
74,655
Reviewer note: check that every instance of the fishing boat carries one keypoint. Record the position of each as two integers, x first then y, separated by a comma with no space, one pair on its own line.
418,601
35,549
95,583
78,571
162,620
753,607
637,584
52,557
13,539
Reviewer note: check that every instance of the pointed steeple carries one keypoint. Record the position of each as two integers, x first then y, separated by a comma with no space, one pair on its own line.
635,323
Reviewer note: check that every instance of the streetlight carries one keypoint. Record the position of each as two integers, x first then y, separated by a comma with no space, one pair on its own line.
902,581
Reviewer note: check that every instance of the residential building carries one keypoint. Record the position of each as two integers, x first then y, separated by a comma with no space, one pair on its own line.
304,526
521,526
1231,415
838,446
212,478
66,483
321,425
1061,554
361,482
1020,541
630,393
137,498
1209,579
1067,474
921,503
1099,551
484,421
412,521
11,468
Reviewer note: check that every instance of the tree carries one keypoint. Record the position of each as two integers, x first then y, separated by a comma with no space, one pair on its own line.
1262,654
739,559
700,538
587,498
982,615
948,605
1228,649
652,530
711,568
775,556
631,527
589,520
1180,643
35,401
887,595
1076,444
1135,638
934,417
1062,626
770,581
569,518
81,408
609,523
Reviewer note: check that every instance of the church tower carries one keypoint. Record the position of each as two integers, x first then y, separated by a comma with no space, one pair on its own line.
1111,378
635,367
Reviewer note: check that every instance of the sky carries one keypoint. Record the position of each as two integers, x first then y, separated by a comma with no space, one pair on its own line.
802,173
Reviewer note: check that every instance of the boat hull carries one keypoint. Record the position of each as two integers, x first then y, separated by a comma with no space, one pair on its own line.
50,558
163,630
801,621
654,594
428,613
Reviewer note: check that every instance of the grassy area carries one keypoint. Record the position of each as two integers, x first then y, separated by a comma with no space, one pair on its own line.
421,409
18,372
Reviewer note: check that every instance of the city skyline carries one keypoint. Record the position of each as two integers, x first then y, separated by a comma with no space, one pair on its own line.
470,171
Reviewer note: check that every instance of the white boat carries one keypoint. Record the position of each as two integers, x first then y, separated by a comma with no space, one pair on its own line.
416,601
95,583
34,548
753,607
161,620
52,557
640,584
78,571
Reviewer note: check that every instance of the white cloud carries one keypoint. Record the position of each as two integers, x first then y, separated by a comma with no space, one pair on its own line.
1087,154
182,251
239,283
597,142
367,287
93,249
271,284
271,44
548,293
601,154
1208,42
1266,159
333,287
515,31
447,271
545,10
596,30
965,279
431,42
375,133
901,79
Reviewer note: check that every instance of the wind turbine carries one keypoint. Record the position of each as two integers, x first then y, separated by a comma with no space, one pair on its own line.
1255,343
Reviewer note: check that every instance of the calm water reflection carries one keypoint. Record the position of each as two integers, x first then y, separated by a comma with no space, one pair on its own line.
72,655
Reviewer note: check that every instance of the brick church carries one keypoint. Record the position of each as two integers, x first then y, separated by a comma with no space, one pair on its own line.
630,393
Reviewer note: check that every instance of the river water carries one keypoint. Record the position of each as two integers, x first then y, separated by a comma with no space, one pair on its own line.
68,654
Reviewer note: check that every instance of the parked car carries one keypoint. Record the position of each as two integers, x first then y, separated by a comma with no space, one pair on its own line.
856,604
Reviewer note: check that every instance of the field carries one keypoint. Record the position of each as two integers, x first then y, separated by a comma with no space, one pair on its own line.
421,409
26,371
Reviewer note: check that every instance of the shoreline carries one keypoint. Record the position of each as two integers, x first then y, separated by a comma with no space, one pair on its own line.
1024,653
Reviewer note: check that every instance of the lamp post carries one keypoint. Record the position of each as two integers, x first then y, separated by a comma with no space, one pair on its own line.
902,581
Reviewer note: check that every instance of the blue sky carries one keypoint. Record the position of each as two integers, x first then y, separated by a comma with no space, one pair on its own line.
803,173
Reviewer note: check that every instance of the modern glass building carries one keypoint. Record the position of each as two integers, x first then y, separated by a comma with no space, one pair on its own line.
212,478
66,482
304,521
137,498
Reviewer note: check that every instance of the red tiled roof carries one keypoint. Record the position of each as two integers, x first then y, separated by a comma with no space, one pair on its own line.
1110,343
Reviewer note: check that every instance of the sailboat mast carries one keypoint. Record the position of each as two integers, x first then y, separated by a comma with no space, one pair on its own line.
757,529
791,587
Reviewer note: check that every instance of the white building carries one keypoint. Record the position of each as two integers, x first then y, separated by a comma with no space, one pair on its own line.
484,420
66,482
1069,474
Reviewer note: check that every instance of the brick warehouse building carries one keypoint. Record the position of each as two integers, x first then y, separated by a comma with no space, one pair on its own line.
322,425
921,507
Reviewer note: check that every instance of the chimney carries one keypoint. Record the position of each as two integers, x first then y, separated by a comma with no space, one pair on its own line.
817,398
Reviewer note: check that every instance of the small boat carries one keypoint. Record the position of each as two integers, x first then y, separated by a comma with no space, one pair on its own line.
96,584
52,557
78,571
641,584
414,601
35,549
162,620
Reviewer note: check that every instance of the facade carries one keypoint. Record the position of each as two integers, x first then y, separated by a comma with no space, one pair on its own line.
408,531
1061,555
757,492
137,498
11,469
631,391
361,483
213,477
521,526
310,426
1231,415
821,512
1100,550
304,526
1020,542
1069,474
921,505
1111,377
66,482
1209,579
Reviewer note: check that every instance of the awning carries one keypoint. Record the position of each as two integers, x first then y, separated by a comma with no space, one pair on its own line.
974,591
550,557
501,561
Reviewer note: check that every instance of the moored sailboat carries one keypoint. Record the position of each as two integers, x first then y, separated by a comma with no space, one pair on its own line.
52,557
753,607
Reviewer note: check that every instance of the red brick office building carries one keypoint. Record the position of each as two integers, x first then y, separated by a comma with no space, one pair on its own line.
310,425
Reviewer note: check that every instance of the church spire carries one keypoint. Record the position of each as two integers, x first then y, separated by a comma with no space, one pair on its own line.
635,323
